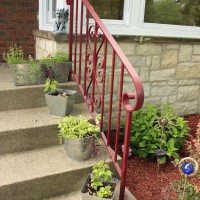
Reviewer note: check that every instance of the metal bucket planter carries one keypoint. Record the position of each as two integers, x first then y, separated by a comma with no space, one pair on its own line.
78,149
32,74
86,196
59,105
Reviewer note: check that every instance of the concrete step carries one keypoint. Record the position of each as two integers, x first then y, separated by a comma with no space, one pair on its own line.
25,97
77,195
28,129
43,173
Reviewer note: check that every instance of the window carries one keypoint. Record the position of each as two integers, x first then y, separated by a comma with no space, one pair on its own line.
154,18
47,13
109,9
51,6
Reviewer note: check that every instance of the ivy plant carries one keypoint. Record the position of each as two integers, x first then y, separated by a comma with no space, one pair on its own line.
76,127
101,176
146,132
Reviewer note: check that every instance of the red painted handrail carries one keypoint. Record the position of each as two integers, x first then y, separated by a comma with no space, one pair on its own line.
91,77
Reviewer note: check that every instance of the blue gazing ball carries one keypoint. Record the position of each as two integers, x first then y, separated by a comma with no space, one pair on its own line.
187,168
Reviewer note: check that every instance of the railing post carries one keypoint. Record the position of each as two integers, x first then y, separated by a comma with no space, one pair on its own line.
125,154
71,19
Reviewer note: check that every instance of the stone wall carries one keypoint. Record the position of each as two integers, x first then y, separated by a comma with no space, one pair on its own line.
170,72
49,42
18,18
169,69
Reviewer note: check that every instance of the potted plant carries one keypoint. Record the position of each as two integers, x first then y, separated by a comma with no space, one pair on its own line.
78,134
59,101
100,184
29,72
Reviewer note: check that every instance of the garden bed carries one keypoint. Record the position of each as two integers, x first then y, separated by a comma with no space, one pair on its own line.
146,183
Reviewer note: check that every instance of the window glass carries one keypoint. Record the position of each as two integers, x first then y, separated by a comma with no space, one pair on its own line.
176,12
108,9
54,5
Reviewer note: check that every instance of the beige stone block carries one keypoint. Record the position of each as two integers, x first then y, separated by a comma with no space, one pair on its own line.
164,100
173,46
188,93
137,61
153,100
172,82
148,60
162,75
188,70
148,49
196,49
185,53
155,62
187,82
146,87
62,46
144,74
128,47
185,108
163,91
196,58
160,83
169,58
172,99
49,46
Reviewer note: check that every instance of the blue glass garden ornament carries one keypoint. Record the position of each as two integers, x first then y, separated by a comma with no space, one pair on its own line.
187,168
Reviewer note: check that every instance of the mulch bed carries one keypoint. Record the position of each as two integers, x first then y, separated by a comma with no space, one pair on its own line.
144,180
146,183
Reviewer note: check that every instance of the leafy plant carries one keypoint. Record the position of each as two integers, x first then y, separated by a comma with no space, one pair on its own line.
76,127
14,55
59,57
192,192
101,176
147,136
51,84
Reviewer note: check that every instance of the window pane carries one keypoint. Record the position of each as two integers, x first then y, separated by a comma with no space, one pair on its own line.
108,9
54,2
176,12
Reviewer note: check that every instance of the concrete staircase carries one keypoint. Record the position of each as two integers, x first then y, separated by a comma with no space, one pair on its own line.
33,166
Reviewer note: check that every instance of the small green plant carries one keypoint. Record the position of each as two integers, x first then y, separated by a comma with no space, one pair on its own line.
147,135
191,192
101,177
76,127
59,57
51,84
14,55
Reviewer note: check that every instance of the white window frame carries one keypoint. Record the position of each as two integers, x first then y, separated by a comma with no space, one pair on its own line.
132,23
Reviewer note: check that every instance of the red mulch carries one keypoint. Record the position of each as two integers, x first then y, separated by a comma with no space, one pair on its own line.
146,183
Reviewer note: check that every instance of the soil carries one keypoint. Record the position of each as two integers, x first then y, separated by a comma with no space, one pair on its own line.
147,183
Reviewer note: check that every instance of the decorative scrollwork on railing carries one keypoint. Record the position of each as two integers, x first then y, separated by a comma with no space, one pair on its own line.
95,65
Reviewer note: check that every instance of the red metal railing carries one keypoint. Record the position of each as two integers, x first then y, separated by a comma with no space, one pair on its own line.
100,69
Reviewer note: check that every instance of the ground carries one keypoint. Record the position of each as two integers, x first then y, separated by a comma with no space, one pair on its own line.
144,180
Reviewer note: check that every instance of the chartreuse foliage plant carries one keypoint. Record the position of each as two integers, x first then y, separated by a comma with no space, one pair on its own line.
101,176
76,127
146,132
14,55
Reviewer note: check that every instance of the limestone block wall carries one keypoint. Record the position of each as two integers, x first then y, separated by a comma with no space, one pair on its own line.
169,69
170,72
48,42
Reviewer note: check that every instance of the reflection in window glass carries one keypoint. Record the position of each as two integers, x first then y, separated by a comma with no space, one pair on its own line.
54,2
108,9
176,12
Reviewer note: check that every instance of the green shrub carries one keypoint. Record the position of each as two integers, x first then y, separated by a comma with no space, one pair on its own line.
146,132
14,55
59,57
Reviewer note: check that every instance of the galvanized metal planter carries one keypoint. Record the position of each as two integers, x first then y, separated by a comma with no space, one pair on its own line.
86,196
78,149
59,105
31,73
